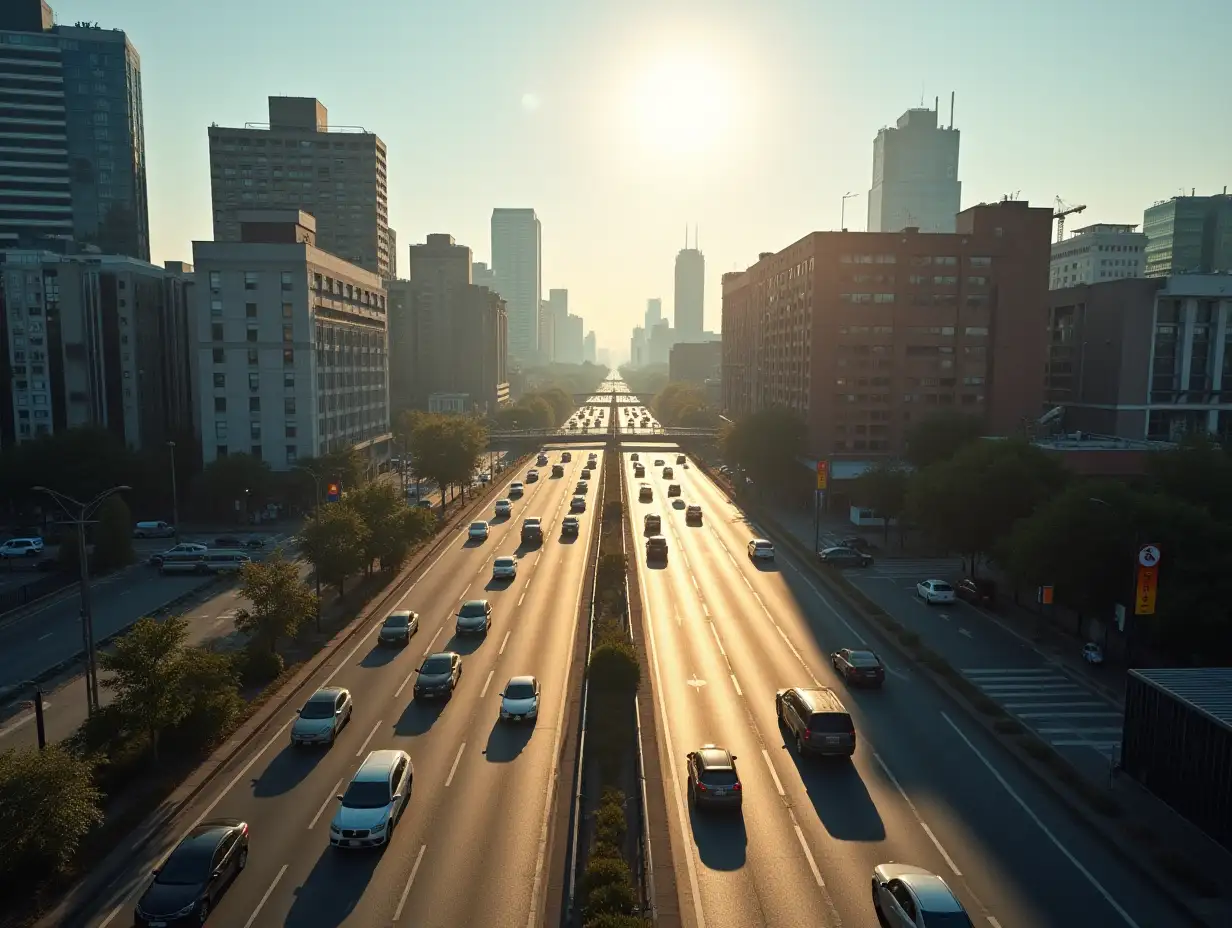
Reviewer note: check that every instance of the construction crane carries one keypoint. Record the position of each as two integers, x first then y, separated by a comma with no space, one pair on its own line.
1064,209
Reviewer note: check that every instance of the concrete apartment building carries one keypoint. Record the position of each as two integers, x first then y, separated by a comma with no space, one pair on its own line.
483,276
297,161
690,296
865,333
1189,235
696,362
1144,358
915,175
517,261
72,136
1097,253
98,340
291,343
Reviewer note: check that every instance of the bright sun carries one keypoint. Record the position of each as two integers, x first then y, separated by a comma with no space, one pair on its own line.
681,105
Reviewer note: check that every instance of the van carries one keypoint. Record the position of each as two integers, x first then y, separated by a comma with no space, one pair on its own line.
153,530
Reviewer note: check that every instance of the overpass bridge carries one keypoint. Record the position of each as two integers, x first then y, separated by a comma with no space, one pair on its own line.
661,436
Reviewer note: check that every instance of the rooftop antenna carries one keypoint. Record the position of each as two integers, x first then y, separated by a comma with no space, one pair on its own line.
951,109
937,103
921,95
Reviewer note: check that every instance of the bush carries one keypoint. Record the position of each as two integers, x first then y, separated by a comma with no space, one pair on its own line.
259,666
610,899
48,804
215,705
606,850
609,920
610,821
613,666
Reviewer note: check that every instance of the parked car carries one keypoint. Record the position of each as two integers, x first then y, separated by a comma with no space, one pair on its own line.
978,592
845,557
153,530
21,547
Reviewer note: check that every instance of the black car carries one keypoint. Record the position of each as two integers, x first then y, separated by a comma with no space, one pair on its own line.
194,875
558,470
532,531
438,675
845,557
570,526
858,667
234,541
976,592
713,780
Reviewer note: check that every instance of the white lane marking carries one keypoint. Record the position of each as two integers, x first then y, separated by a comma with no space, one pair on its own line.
809,856
897,673
963,631
718,641
778,784
45,637
705,610
371,735
803,663
504,642
328,799
264,899
521,598
736,684
409,881
454,768
484,692
528,583
993,922
402,686
428,649
1099,887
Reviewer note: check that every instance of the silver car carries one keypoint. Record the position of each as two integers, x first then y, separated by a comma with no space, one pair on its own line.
520,700
322,717
474,617
905,896
374,801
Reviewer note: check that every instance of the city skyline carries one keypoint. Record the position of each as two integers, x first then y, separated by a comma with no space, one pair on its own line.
573,139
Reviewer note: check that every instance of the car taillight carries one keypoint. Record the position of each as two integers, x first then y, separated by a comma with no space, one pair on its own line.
807,734
701,786
737,787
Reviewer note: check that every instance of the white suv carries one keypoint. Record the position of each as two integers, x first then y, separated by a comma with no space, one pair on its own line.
21,547
374,801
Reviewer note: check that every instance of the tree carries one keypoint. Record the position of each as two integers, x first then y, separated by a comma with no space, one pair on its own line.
148,676
1199,470
334,542
48,804
645,381
211,687
113,535
81,462
394,527
684,404
939,437
232,486
766,444
447,448
883,488
280,601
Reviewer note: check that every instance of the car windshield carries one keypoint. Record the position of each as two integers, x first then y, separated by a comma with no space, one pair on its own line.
942,587
472,610
719,777
764,544
366,794
946,919
318,708
479,525
186,866
520,690
398,621
436,666
830,723
864,659
504,562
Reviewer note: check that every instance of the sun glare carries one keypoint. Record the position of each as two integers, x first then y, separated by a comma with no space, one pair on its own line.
681,106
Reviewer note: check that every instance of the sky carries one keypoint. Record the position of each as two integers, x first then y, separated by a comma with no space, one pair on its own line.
622,122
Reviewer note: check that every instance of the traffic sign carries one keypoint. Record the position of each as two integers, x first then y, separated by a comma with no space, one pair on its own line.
823,474
1147,587
1044,596
1148,556
332,492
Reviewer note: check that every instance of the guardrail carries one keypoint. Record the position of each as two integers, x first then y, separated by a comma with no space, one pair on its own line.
27,593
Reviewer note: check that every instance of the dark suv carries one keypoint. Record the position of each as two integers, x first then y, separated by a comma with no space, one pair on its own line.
532,531
816,721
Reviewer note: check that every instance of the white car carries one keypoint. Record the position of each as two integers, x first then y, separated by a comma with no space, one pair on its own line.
761,550
374,801
909,897
478,531
504,507
322,717
934,591
520,700
516,488
21,547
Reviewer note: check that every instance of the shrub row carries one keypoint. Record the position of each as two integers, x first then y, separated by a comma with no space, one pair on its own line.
609,898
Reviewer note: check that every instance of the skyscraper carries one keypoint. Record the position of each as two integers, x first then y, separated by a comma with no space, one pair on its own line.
72,143
915,175
296,162
517,261
654,312
690,296
1189,235
590,348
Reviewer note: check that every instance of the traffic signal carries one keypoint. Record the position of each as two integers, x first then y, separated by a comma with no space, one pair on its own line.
333,492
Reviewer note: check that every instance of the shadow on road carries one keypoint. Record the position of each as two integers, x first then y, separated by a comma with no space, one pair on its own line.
419,716
721,838
506,742
380,655
567,539
334,887
766,567
474,542
840,797
498,583
287,770
465,644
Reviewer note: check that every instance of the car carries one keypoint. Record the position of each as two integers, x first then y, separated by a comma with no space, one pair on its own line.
398,627
542,460
438,675
1092,653
504,568
566,457
532,530
558,470
585,475
478,531
424,504
21,547
194,875
532,475
844,557
673,489
322,717
693,515
858,667
761,550
658,462
374,801
639,470
978,592
653,523
504,508
577,504
934,591
153,530
645,493
593,456
816,721
633,456
668,473
516,488
474,617
235,541
906,896
184,547
681,459
520,700
713,780
583,486
570,526
656,548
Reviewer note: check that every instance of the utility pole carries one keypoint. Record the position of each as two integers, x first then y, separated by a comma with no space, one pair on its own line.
175,498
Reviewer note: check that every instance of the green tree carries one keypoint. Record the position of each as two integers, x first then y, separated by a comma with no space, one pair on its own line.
48,804
148,673
645,381
447,448
394,527
113,535
81,462
211,686
939,436
883,488
334,541
1199,471
280,601
684,404
231,484
767,444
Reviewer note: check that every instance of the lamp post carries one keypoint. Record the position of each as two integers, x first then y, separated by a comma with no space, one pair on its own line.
175,498
79,514
842,220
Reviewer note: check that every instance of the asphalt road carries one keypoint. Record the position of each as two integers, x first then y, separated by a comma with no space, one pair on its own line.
469,850
925,786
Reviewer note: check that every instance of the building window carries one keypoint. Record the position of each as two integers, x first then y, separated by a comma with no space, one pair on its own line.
286,280
288,357
292,454
288,380
253,357
254,404
220,404
883,297
252,333
220,356
254,381
250,310
220,429
220,381
288,310
291,430
254,430
216,333
976,330
215,307
215,281
288,333
945,260
977,281
288,405
250,280
980,261
222,451
886,259
945,280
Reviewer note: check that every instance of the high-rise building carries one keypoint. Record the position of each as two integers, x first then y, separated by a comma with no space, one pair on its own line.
654,312
1097,253
72,139
638,354
659,341
915,175
556,308
547,333
590,348
696,362
866,333
690,296
297,162
402,354
1189,235
392,237
569,348
97,340
292,346
517,260
483,276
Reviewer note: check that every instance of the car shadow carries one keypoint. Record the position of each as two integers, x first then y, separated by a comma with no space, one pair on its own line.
498,519
766,567
657,565
567,539
840,798
419,716
333,889
721,838
524,548
497,583
380,655
506,742
466,644
287,770
474,542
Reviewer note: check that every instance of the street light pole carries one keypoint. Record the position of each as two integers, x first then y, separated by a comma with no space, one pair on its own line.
175,498
842,221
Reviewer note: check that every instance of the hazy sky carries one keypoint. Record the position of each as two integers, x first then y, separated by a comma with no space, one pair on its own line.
621,121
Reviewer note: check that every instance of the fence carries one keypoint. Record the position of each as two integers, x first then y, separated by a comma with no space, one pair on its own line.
16,597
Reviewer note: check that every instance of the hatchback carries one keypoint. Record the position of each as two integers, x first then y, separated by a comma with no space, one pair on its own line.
504,568
516,488
478,531
504,507
934,591
761,550
713,780
374,801
194,875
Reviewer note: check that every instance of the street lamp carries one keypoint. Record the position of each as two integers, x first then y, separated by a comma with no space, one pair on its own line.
175,499
79,514
842,220
316,511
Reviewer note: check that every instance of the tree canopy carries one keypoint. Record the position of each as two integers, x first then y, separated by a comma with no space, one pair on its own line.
766,444
940,436
230,483
446,448
148,669
335,542
48,804
280,602
394,527
883,488
646,381
684,405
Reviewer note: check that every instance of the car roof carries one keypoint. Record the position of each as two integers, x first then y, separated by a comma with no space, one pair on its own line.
474,602
376,766
763,541
838,548
478,522
204,838
820,699
713,757
506,559
932,891
326,694
523,678
401,612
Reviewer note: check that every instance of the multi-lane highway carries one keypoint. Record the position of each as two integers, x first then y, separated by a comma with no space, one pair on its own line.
470,849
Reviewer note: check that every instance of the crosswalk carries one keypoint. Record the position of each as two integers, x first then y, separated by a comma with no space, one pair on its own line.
917,568
1053,705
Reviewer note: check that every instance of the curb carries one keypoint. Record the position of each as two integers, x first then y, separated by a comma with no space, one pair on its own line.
94,884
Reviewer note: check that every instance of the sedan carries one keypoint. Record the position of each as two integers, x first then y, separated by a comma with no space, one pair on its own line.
322,717
520,700
713,780
504,508
532,475
570,526
478,531
577,504
438,675
934,591
858,667
582,487
658,462
504,568
516,488
645,493
194,875
910,897
398,627
761,550
565,457
844,557
542,460
474,617
673,489
976,592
